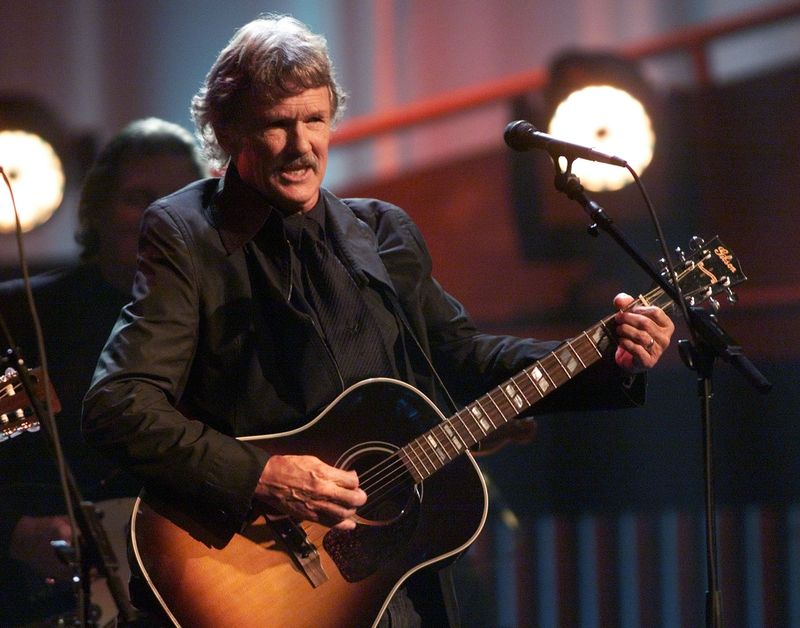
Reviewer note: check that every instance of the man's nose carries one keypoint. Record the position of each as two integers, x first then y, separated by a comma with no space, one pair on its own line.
299,138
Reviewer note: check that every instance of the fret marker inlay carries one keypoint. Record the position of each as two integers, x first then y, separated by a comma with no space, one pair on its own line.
568,360
451,434
538,376
515,397
435,447
600,339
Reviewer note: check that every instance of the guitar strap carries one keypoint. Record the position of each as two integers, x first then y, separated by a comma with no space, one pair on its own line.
398,308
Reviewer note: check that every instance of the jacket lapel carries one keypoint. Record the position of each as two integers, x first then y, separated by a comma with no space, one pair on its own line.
358,242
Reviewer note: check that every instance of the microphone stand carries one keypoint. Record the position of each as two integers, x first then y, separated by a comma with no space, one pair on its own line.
709,341
95,548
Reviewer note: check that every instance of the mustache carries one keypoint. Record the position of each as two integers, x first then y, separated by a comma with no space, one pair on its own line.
304,161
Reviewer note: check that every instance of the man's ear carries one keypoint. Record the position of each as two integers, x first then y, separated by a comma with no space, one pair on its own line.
228,147
230,141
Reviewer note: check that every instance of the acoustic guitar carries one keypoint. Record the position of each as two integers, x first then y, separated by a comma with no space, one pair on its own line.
427,500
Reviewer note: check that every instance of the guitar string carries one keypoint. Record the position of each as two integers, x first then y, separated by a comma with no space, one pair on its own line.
374,479
378,473
16,389
391,475
650,297
383,480
379,482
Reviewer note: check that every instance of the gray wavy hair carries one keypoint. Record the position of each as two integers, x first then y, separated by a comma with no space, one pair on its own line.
269,59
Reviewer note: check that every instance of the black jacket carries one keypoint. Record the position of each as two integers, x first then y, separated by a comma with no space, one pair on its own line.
210,346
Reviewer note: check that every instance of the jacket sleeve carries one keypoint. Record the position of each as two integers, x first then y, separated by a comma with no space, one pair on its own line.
131,410
471,362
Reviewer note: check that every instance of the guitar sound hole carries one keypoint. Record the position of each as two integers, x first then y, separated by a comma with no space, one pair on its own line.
390,489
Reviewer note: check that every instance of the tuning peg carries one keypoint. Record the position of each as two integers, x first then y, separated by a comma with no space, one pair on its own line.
731,295
696,243
714,304
681,255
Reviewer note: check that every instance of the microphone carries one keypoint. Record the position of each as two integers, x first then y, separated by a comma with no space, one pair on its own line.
523,136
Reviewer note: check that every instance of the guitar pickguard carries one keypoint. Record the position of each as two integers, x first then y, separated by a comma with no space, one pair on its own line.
361,552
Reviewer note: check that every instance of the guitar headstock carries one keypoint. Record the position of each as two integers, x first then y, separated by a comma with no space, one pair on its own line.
16,413
710,269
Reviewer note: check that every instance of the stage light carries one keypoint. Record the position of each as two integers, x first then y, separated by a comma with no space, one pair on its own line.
29,137
600,100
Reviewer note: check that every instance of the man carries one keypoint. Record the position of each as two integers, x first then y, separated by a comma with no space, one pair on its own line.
237,328
77,307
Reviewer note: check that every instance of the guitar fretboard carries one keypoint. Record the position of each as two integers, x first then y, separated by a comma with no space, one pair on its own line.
711,269
435,448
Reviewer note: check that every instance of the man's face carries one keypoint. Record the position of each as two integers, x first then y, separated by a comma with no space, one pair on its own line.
141,181
286,154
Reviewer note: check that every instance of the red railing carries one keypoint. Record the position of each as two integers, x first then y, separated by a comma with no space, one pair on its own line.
693,41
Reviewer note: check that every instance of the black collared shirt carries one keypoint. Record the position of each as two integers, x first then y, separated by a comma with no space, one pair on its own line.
386,320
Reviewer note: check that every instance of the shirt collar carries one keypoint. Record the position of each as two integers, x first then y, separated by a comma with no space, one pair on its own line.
239,211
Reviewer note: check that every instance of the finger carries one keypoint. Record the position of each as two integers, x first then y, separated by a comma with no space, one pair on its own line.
345,479
62,529
640,315
663,325
622,300
329,512
634,358
345,524
323,512
657,316
333,484
348,497
306,473
640,355
333,493
323,497
637,333
646,328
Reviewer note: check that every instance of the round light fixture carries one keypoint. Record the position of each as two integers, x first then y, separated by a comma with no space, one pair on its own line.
611,120
37,179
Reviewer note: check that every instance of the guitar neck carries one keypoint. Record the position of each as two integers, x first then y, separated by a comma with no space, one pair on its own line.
711,269
435,448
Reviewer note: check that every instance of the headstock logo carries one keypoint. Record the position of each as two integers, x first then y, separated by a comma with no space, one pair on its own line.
725,257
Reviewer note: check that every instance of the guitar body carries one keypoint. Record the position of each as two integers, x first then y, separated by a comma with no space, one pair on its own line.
202,578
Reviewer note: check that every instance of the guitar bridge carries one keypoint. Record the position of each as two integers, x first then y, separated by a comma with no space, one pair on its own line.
303,551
